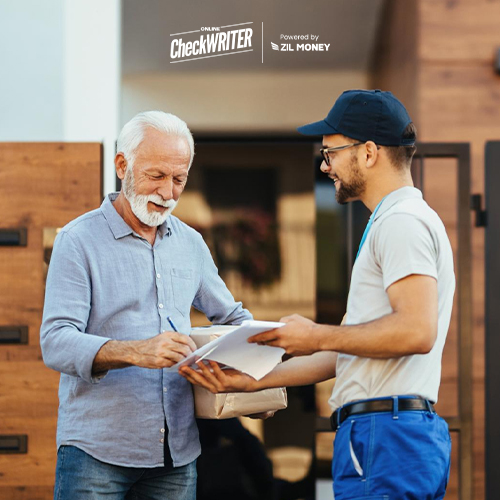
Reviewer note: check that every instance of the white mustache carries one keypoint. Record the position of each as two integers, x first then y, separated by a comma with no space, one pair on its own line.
158,200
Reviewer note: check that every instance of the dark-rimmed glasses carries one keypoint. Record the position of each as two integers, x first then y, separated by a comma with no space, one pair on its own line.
324,151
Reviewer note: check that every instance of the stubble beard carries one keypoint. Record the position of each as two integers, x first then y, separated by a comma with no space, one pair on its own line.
354,188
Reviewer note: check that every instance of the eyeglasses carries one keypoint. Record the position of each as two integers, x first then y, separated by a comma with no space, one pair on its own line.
324,151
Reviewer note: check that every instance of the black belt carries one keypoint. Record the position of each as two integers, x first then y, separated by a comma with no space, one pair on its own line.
379,405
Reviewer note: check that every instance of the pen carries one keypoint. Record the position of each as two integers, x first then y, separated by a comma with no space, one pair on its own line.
169,319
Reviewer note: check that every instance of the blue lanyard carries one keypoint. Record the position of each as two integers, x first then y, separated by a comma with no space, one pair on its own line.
369,225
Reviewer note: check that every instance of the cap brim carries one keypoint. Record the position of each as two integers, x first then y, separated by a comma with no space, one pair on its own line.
317,128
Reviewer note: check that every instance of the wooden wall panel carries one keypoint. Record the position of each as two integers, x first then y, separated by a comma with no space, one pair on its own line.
21,287
26,492
41,185
395,64
460,101
37,467
457,99
459,30
29,389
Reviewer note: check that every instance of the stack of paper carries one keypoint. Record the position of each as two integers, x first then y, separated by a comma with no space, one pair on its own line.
232,349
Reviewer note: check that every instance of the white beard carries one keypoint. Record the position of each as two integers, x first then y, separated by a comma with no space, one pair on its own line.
139,202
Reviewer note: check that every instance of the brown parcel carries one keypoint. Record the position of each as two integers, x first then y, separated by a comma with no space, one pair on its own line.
220,406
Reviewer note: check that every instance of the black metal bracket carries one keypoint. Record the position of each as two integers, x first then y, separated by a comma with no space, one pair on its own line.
13,444
14,335
15,237
476,206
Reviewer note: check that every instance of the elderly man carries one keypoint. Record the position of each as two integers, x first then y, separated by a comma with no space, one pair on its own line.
390,443
118,276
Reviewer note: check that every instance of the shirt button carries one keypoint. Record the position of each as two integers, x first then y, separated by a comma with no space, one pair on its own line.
160,306
162,440
162,431
164,389
158,275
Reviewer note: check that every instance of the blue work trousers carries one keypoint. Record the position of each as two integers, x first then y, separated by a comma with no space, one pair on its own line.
401,455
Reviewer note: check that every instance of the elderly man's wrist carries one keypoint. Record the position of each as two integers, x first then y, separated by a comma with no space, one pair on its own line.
132,351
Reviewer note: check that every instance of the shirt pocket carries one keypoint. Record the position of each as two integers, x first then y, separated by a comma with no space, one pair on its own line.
183,289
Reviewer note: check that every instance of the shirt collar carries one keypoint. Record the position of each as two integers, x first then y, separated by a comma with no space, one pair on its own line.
119,227
404,193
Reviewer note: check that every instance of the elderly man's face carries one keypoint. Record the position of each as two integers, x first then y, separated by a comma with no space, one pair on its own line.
158,176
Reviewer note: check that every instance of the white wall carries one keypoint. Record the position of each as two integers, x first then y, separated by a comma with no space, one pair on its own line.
60,73
31,70
92,76
237,100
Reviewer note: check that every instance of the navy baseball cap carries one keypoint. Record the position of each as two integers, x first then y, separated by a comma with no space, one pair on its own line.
365,115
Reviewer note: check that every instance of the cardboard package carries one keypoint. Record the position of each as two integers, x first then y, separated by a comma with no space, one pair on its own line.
228,405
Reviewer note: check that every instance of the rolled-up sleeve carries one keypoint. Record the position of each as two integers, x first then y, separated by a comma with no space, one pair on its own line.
66,346
213,297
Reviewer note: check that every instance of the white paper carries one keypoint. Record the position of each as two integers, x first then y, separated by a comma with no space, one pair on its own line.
232,349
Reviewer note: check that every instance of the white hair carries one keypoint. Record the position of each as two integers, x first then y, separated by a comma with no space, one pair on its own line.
132,132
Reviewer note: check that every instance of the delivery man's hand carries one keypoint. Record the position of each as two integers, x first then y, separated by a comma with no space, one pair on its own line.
216,380
297,337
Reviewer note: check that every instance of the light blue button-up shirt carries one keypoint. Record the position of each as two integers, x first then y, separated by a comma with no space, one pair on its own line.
107,282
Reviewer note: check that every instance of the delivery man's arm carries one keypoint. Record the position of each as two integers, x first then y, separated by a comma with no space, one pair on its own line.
302,370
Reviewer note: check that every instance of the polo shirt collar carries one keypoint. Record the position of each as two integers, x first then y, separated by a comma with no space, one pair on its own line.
404,193
119,227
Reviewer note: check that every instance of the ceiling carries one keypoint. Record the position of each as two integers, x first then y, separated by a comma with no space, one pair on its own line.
350,27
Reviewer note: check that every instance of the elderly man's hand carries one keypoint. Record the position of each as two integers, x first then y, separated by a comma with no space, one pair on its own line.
298,337
164,350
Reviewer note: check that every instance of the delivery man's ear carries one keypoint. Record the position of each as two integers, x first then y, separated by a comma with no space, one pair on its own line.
371,154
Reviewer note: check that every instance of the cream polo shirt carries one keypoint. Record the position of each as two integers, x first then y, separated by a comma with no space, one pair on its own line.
407,237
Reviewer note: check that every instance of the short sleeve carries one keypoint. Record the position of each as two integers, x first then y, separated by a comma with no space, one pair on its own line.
403,245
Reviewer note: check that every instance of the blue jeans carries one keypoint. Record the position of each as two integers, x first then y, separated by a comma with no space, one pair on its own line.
81,477
386,456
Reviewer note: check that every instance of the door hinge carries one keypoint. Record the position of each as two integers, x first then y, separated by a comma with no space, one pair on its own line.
476,206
